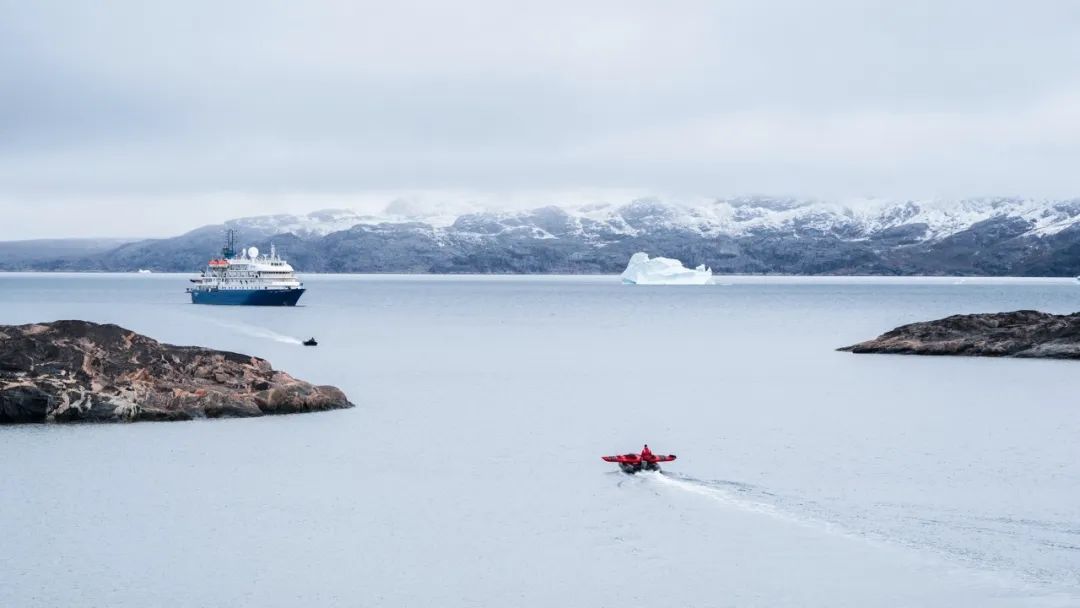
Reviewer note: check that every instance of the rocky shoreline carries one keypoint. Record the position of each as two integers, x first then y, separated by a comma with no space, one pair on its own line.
1023,333
78,371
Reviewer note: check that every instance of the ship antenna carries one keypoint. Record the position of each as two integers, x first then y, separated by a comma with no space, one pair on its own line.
229,250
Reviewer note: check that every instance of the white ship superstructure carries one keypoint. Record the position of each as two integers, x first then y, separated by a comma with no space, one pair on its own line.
247,278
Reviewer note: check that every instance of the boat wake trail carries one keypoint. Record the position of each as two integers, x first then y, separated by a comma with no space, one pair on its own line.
1041,552
733,493
256,332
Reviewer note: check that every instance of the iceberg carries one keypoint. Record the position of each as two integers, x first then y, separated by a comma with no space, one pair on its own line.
643,270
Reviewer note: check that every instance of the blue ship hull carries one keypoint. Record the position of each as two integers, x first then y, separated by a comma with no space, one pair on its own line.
247,297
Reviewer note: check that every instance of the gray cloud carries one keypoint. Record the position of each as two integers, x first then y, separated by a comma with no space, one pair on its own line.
129,117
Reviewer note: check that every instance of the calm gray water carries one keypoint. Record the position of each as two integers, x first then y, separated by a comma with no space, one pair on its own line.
469,472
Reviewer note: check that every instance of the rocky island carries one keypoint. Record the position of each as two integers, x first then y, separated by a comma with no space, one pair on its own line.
1023,333
77,371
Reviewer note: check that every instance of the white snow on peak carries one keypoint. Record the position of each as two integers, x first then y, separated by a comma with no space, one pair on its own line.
643,270
324,222
852,219
317,223
438,215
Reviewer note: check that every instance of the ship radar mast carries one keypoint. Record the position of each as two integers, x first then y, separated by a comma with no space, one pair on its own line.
229,250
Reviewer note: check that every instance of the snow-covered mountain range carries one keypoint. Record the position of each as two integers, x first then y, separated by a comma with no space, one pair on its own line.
752,234
857,219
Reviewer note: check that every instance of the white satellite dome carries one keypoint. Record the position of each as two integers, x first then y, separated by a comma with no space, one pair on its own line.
253,252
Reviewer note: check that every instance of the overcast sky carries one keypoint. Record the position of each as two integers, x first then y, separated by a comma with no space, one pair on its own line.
130,118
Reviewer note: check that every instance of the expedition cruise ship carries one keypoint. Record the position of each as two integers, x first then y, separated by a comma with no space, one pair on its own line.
246,279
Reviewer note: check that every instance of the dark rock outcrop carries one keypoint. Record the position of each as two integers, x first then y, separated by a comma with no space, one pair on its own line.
69,371
1024,333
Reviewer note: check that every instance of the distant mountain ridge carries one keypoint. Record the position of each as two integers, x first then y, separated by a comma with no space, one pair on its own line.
38,251
986,236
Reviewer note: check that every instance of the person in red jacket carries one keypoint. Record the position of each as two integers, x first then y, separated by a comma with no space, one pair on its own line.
646,454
